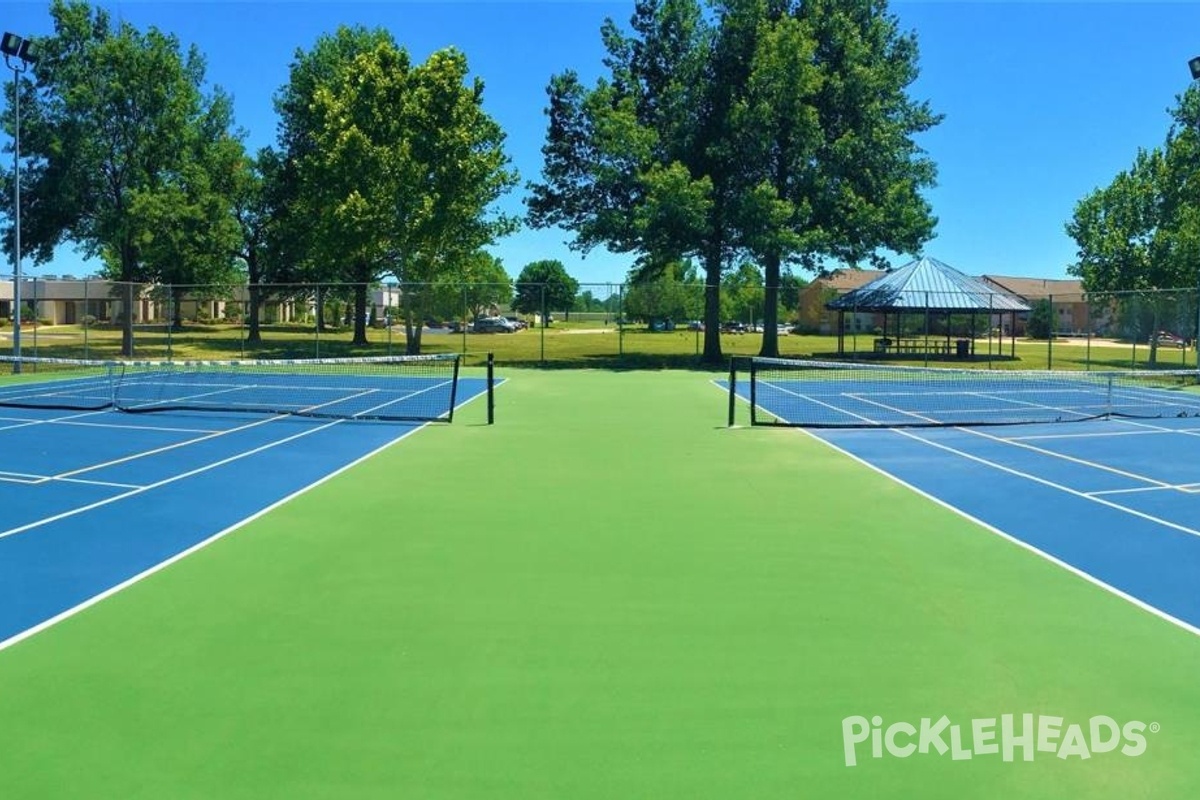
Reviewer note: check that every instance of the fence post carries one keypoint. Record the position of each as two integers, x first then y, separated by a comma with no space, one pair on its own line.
544,323
36,318
620,320
1050,334
171,310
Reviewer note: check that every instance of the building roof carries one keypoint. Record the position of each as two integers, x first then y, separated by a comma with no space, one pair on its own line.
1037,288
927,284
845,280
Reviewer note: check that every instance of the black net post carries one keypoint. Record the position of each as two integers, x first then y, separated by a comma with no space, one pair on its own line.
753,395
732,390
491,388
454,390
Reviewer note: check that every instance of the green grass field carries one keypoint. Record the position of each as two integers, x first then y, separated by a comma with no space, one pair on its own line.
567,343
607,594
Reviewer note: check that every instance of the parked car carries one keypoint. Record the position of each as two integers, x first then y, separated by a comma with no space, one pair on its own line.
519,323
1165,339
733,327
494,325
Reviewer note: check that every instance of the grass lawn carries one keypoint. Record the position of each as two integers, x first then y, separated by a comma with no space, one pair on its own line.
571,344
606,595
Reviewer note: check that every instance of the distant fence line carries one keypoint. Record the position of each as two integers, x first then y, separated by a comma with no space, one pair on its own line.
82,318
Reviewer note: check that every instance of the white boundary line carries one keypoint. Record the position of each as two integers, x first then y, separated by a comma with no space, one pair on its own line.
1092,579
93,600
159,567
1086,576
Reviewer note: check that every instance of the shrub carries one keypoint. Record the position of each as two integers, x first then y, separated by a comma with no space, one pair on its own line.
1041,320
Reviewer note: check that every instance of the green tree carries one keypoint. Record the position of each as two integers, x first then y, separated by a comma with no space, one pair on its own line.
665,294
189,235
114,139
1122,241
744,296
479,283
251,185
790,287
544,286
827,121
1041,320
779,129
398,169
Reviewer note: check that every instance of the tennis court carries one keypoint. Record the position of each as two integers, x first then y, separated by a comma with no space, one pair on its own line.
609,594
95,497
1114,495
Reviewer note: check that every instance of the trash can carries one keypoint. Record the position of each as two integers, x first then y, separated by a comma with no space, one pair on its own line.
962,348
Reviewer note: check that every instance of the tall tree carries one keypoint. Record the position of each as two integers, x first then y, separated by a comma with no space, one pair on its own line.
188,234
110,138
826,119
1119,231
629,163
396,166
544,286
776,128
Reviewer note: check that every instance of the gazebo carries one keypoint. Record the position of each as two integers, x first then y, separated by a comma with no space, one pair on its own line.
929,290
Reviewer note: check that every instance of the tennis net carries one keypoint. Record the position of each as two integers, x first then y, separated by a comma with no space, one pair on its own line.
404,388
822,394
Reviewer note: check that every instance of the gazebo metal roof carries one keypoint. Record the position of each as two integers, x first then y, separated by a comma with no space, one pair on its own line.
927,284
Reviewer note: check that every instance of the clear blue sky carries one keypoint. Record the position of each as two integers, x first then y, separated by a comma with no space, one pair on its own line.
1043,102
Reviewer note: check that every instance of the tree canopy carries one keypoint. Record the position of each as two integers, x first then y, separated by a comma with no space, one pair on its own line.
780,130
122,150
544,286
395,166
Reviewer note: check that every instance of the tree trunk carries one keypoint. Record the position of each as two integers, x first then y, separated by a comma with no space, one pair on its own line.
770,340
254,334
412,341
127,319
360,315
321,309
712,308
177,294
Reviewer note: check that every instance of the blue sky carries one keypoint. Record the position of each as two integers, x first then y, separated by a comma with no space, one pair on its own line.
1043,101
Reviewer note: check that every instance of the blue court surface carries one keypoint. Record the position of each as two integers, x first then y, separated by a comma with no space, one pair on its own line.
1116,500
92,499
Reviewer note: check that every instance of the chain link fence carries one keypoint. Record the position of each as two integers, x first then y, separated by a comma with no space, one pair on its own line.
605,324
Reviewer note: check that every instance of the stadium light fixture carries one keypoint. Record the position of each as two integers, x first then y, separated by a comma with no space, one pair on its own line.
19,55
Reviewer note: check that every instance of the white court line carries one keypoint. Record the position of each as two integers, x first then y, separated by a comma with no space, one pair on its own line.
37,480
91,601
818,402
1189,488
164,482
1092,579
400,399
1092,434
175,445
159,450
1043,451
1087,576
29,423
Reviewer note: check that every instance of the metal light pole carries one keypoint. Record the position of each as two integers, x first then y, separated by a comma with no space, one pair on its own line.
1194,66
19,56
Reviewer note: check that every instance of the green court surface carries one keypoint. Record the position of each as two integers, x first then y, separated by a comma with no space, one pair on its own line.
607,594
